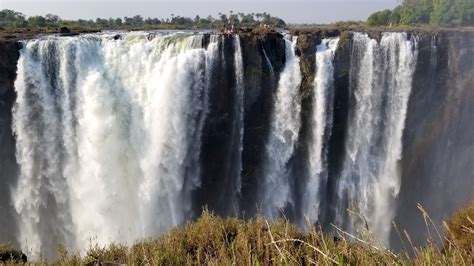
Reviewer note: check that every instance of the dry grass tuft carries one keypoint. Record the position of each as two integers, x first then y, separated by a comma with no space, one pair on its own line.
460,230
212,240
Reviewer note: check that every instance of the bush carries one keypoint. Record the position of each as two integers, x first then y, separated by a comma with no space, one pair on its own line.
460,229
217,241
8,254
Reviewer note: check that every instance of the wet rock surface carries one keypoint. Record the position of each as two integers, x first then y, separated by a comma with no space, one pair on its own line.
8,167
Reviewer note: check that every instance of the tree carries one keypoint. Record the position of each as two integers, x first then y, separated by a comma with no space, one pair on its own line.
435,12
382,18
266,18
37,21
7,15
12,19
20,23
128,21
442,12
395,16
223,18
53,19
234,19
137,20
247,20
278,22
416,12
464,10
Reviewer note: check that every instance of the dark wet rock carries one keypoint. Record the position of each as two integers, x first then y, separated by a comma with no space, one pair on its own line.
342,96
216,134
438,137
68,34
64,30
261,81
438,141
306,45
9,169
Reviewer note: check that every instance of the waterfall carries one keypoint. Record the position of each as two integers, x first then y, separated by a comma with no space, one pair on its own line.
117,139
237,130
285,125
381,85
434,50
321,121
108,136
269,64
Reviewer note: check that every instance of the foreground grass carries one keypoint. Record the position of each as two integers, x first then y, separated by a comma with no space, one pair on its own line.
216,241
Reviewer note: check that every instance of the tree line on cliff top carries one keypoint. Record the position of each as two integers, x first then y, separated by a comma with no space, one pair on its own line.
434,12
15,20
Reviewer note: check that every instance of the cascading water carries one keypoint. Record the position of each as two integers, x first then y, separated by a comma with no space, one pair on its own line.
111,135
275,191
322,98
269,64
237,131
381,85
108,137
434,49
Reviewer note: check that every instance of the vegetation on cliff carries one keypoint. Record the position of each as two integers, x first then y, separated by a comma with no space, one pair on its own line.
10,19
217,241
434,12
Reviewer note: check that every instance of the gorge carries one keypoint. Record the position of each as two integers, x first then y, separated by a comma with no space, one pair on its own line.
114,138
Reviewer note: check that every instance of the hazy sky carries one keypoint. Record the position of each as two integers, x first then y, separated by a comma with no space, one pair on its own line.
297,11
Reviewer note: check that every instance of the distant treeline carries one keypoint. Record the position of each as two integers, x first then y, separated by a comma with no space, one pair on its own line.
433,12
10,19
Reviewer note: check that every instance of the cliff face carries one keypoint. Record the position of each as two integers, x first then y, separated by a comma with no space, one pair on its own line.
8,168
437,164
261,80
263,60
438,143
